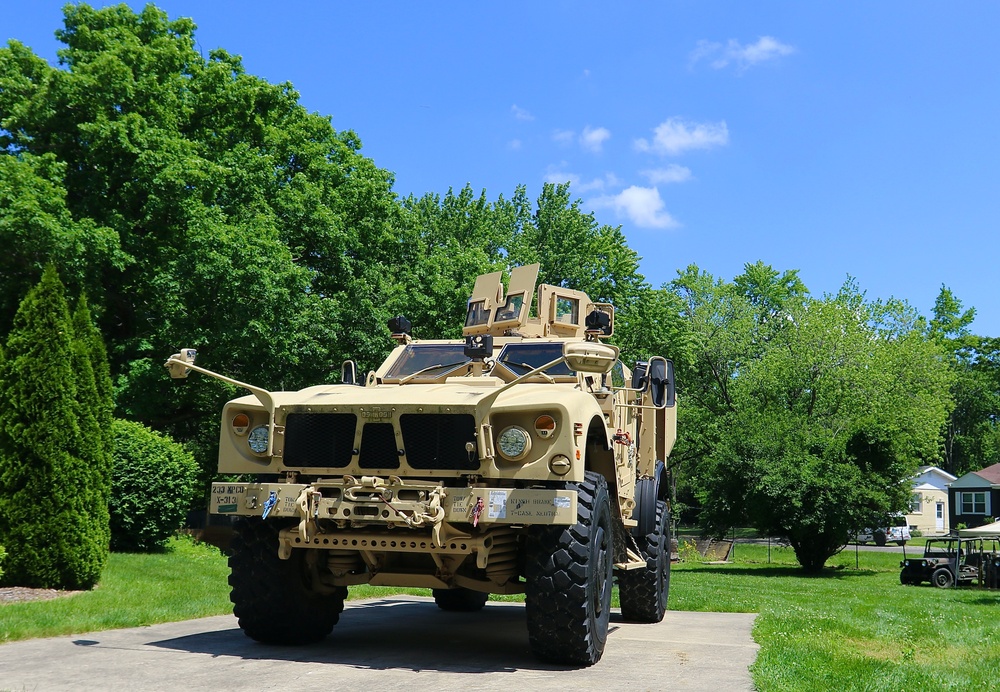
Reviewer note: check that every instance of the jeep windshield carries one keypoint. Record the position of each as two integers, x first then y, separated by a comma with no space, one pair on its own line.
434,360
523,357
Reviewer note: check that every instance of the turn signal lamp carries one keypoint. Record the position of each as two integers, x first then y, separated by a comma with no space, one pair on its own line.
240,423
545,426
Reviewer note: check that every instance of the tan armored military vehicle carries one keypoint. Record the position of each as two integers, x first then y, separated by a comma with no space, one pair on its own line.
524,458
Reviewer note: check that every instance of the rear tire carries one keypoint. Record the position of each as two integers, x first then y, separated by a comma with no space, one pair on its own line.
643,592
879,538
569,574
274,599
460,600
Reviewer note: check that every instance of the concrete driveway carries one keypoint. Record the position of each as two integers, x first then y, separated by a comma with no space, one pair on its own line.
401,642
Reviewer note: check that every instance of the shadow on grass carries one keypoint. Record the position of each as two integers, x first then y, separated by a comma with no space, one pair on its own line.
788,571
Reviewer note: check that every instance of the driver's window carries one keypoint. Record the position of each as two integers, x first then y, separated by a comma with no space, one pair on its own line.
511,309
568,310
478,314
618,375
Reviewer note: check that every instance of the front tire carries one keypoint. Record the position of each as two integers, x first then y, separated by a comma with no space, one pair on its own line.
275,600
643,592
569,574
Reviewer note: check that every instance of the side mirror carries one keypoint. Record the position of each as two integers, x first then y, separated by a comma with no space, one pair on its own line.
656,376
590,356
177,363
349,372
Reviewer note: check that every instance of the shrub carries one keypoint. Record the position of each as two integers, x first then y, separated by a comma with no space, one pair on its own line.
153,483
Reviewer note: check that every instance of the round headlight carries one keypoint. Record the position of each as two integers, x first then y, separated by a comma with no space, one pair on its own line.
257,439
513,442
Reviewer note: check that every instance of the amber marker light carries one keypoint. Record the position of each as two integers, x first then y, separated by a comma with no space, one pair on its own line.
240,423
545,426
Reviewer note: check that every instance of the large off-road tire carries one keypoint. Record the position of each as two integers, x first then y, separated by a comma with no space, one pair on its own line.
879,537
942,578
643,592
273,599
460,600
569,573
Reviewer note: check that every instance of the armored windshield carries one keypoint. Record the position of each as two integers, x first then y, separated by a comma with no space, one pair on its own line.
523,357
433,359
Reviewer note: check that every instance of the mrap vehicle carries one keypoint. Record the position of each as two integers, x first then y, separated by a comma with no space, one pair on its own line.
524,458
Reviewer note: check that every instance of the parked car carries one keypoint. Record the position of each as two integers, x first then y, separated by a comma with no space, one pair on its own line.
880,536
937,565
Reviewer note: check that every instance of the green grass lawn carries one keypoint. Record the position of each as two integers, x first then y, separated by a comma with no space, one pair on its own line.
847,629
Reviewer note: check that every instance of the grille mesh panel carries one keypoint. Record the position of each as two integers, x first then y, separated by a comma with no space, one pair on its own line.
437,441
319,439
378,447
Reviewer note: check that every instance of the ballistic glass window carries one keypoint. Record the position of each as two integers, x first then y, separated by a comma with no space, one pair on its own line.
523,357
477,314
417,357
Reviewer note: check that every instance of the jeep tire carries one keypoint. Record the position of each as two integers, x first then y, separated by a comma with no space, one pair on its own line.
643,592
273,599
569,575
942,578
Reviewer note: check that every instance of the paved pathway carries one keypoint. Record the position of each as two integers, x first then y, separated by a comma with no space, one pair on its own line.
398,643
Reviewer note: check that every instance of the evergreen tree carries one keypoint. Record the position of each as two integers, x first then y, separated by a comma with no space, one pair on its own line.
96,407
50,520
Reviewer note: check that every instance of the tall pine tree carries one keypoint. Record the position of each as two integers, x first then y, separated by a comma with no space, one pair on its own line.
95,403
53,518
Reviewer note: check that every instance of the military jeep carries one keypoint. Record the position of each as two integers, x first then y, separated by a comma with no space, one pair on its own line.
945,563
524,458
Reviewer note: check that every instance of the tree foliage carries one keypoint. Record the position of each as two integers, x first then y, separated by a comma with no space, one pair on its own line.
828,424
972,435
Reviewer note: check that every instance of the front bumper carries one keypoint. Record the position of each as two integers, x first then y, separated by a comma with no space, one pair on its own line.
375,502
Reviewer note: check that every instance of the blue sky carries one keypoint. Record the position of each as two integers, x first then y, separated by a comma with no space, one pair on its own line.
838,139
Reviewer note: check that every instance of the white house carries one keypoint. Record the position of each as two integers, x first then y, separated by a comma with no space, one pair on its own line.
929,509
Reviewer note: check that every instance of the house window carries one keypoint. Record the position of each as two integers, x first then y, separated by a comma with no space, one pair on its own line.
915,503
974,503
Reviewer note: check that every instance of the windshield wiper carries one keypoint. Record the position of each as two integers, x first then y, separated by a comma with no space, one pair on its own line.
527,368
409,377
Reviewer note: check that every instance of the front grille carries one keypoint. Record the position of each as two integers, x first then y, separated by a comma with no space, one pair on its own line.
378,447
319,439
431,441
438,441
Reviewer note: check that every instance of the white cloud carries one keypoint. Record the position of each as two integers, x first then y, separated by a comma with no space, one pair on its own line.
643,206
673,173
592,139
556,175
675,136
766,48
564,137
514,144
520,113
734,53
